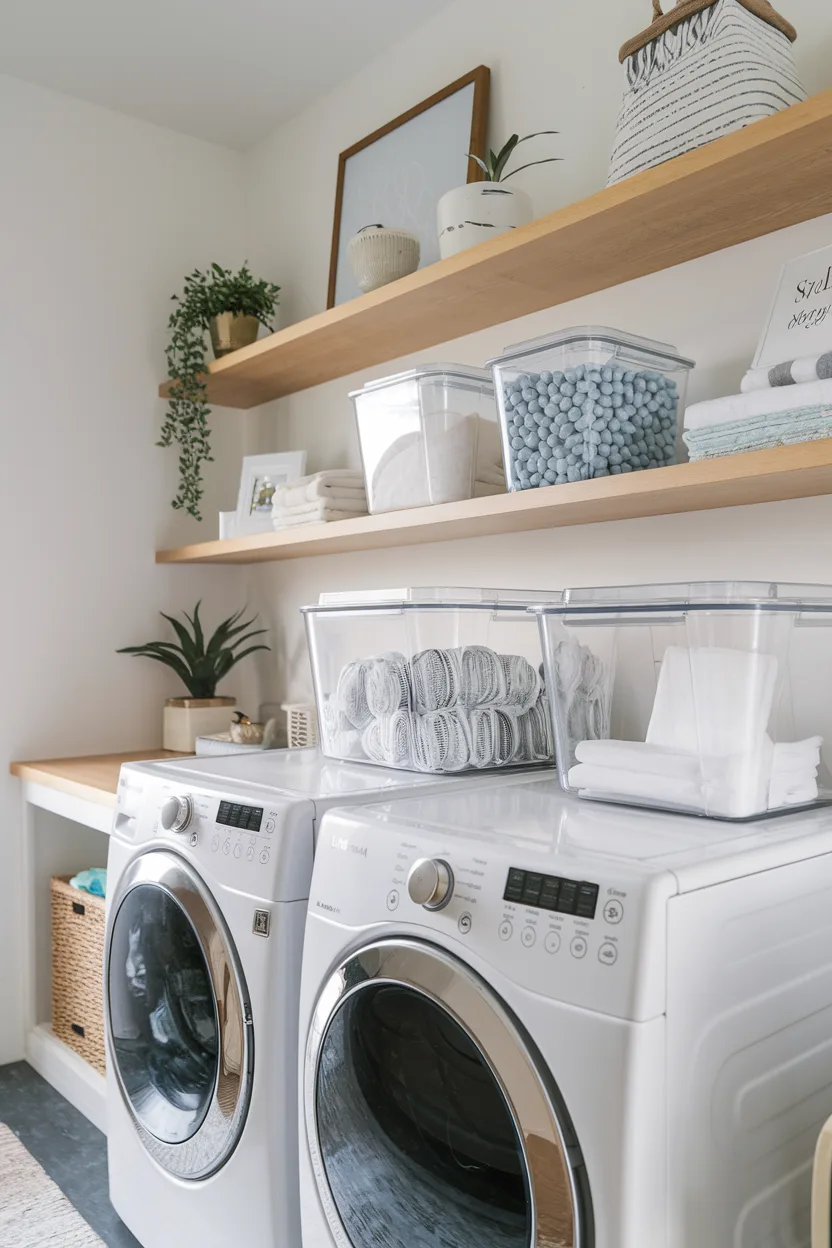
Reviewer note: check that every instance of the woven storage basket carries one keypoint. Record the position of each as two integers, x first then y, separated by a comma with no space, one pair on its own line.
78,970
701,70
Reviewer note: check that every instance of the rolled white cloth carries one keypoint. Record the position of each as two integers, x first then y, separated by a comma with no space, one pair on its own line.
757,403
789,373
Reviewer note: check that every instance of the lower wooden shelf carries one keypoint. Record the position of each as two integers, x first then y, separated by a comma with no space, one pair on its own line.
801,471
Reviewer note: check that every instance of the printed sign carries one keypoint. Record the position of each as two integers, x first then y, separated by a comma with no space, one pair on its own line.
800,323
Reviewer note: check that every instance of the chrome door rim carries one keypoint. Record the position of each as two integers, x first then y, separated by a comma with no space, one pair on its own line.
218,1134
451,985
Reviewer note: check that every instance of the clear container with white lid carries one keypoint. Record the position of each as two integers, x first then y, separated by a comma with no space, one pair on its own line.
431,679
587,402
710,698
429,435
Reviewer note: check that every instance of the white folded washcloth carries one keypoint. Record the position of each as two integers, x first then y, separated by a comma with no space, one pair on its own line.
714,699
334,485
320,514
789,373
757,403
640,757
730,800
792,756
792,792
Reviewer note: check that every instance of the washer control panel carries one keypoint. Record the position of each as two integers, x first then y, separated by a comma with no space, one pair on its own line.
590,939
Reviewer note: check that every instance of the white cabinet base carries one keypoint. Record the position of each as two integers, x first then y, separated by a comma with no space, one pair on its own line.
69,1074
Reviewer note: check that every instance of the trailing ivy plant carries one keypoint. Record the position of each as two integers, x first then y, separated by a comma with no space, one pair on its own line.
201,666
205,295
495,163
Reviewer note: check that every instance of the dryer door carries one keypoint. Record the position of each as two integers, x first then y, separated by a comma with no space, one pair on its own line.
178,1016
429,1119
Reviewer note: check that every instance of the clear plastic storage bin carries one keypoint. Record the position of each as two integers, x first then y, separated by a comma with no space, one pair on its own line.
710,698
587,402
427,436
435,680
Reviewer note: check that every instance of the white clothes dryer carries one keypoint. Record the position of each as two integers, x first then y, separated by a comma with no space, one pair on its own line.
533,1022
209,869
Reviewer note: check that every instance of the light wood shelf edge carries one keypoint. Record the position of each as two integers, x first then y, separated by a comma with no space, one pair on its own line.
785,472
769,175
93,778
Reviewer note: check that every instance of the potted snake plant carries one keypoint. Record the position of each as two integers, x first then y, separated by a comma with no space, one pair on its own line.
200,665
479,210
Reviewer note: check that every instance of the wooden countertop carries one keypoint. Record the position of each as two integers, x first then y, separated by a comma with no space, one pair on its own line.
93,778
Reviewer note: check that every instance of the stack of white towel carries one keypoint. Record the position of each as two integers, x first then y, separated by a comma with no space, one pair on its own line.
707,746
337,494
759,418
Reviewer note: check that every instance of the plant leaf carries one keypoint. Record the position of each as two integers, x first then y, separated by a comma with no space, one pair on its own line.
547,161
235,658
482,166
505,156
223,631
537,135
193,620
185,638
181,670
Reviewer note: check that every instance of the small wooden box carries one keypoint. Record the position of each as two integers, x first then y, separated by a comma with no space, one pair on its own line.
78,970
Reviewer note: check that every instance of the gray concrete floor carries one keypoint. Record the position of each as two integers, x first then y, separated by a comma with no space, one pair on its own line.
71,1150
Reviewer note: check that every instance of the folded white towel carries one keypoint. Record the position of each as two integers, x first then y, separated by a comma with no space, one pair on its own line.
731,800
758,403
797,755
639,756
318,515
339,484
789,373
792,793
713,699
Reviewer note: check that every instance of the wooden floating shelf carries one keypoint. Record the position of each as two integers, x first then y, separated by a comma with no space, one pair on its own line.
772,174
93,778
801,471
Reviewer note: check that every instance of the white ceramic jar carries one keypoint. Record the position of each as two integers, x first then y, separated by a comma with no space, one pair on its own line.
378,255
470,214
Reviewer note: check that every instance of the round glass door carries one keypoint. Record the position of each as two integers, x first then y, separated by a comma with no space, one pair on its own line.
178,1016
163,1017
428,1124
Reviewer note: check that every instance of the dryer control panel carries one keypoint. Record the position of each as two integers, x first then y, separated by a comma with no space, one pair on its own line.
592,939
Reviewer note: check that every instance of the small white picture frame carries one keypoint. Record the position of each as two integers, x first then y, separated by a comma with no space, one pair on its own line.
258,479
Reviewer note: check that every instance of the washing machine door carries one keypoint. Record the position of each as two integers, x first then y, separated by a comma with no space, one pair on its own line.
178,1016
430,1121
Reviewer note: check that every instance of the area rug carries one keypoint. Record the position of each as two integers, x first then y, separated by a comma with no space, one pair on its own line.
34,1212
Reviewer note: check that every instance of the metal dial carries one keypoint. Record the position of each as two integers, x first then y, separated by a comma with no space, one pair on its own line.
176,813
430,883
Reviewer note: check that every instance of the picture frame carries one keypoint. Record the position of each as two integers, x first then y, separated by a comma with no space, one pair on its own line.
397,175
259,476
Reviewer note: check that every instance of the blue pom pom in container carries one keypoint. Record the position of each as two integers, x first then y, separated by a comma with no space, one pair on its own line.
587,402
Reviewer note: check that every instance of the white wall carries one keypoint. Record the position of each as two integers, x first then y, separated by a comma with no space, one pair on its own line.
100,218
554,66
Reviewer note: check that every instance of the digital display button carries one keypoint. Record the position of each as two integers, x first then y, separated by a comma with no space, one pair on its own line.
247,818
551,892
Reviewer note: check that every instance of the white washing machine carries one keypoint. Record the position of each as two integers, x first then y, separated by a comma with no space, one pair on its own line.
533,1022
209,869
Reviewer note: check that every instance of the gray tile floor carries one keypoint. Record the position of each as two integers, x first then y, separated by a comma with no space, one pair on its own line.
71,1150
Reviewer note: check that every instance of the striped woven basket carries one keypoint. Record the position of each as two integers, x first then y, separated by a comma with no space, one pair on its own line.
705,68
78,970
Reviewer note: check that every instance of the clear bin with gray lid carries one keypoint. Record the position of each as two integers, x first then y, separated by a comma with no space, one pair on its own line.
587,402
428,436
708,698
431,679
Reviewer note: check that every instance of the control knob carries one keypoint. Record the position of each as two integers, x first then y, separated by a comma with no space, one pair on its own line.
430,883
176,813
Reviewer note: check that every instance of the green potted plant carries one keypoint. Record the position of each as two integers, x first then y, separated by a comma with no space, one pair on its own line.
479,210
230,307
200,666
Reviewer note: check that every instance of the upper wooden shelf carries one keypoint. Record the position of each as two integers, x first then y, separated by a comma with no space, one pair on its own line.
770,175
801,471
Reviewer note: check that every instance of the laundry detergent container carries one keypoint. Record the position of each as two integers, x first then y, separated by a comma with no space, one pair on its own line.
587,402
432,680
429,436
708,698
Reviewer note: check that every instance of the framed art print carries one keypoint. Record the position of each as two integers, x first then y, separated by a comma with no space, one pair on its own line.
397,175
260,476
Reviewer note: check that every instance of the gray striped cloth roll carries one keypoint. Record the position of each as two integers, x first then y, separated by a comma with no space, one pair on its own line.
789,373
715,72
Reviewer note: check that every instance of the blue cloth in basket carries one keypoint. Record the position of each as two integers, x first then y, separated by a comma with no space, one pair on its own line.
93,880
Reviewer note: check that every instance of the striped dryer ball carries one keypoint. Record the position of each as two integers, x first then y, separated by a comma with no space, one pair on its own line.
715,71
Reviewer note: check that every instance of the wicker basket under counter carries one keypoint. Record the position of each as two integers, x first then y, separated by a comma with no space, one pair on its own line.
77,970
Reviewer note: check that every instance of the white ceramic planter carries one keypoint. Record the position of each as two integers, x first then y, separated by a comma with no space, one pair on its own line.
378,255
480,210
185,719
